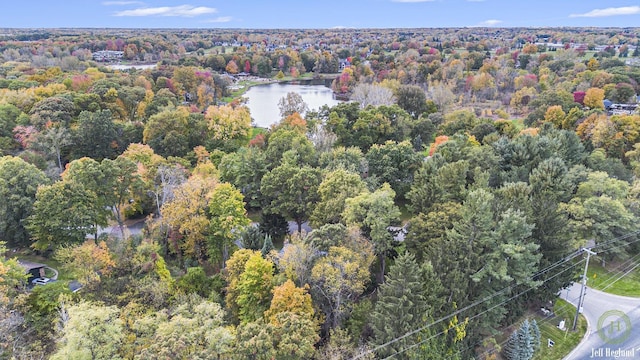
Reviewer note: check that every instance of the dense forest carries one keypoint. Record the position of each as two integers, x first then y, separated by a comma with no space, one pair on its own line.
450,195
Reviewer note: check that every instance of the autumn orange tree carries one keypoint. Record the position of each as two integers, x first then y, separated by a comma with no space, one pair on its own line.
88,262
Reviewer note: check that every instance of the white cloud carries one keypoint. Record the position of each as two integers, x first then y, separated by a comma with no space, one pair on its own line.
221,19
625,10
110,3
182,10
411,1
491,22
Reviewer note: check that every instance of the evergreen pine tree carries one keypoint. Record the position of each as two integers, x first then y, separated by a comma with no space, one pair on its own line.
512,347
523,342
268,245
402,307
535,335
526,343
252,238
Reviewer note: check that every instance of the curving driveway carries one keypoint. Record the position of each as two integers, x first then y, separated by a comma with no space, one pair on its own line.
55,273
614,325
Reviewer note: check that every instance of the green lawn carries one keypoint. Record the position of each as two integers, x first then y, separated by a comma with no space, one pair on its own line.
518,124
612,279
257,130
565,341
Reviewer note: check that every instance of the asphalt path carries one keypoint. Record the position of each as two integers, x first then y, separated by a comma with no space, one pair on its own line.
614,325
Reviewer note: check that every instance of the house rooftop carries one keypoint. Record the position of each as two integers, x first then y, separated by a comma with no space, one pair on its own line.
29,265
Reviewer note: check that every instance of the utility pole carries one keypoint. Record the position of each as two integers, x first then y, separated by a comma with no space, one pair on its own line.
583,288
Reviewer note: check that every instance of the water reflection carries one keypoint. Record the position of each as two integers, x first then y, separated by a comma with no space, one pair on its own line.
263,100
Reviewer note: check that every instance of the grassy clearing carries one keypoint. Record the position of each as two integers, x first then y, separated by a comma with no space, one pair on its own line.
255,131
565,341
620,279
518,124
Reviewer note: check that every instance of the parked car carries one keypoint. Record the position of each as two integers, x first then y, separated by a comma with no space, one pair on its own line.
41,281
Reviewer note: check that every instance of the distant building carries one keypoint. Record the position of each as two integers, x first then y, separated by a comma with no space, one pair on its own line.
107,55
619,109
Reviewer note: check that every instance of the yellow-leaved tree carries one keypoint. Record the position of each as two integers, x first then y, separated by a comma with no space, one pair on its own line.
289,298
187,212
228,122
594,98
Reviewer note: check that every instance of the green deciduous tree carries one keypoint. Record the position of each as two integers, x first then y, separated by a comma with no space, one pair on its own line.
90,332
599,211
291,191
96,136
283,140
55,110
296,336
255,341
123,181
194,330
374,213
412,99
227,219
167,132
19,182
395,164
245,169
334,190
63,213
12,274
350,159
129,97
52,141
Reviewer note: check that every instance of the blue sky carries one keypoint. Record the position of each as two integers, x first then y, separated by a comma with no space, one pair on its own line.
316,13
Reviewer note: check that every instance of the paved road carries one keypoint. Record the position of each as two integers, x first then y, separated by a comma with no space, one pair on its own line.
614,325
133,228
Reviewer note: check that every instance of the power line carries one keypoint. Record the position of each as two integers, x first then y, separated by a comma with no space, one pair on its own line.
480,314
621,237
626,268
619,245
470,306
569,257
625,273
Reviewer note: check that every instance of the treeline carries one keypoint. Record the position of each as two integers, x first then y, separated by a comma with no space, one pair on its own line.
422,205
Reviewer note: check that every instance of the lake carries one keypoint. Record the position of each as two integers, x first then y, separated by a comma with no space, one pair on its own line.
262,100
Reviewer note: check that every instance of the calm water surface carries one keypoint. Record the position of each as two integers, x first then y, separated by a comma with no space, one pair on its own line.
263,100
